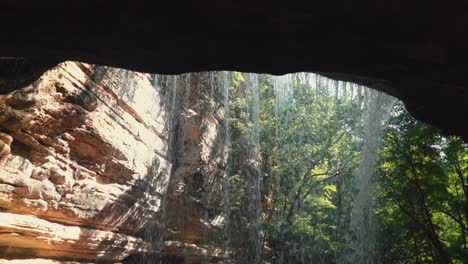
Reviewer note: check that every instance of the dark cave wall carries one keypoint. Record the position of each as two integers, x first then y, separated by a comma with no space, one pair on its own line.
414,50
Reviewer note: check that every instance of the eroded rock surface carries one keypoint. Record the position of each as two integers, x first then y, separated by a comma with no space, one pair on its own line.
103,163
81,149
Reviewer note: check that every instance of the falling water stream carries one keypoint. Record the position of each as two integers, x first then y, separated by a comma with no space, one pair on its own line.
378,106
268,144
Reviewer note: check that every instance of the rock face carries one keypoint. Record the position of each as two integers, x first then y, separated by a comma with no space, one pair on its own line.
85,164
29,236
105,164
192,205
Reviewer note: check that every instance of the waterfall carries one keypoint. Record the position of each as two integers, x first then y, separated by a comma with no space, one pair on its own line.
304,118
283,91
226,85
254,177
378,106
156,228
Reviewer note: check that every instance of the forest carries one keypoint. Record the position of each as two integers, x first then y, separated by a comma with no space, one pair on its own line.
322,171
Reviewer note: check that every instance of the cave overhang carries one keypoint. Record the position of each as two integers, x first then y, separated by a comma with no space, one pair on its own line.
413,50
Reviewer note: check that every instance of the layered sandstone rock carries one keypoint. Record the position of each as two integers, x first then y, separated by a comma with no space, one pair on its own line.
83,153
99,163
25,235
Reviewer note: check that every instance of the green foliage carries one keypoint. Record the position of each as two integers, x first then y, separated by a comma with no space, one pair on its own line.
421,194
310,147
304,149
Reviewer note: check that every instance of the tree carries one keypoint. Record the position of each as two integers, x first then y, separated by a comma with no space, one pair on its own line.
421,194
311,139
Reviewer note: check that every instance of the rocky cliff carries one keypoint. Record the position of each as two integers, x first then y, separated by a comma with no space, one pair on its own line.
94,161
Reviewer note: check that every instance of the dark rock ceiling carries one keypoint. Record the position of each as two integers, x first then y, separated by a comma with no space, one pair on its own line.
415,50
